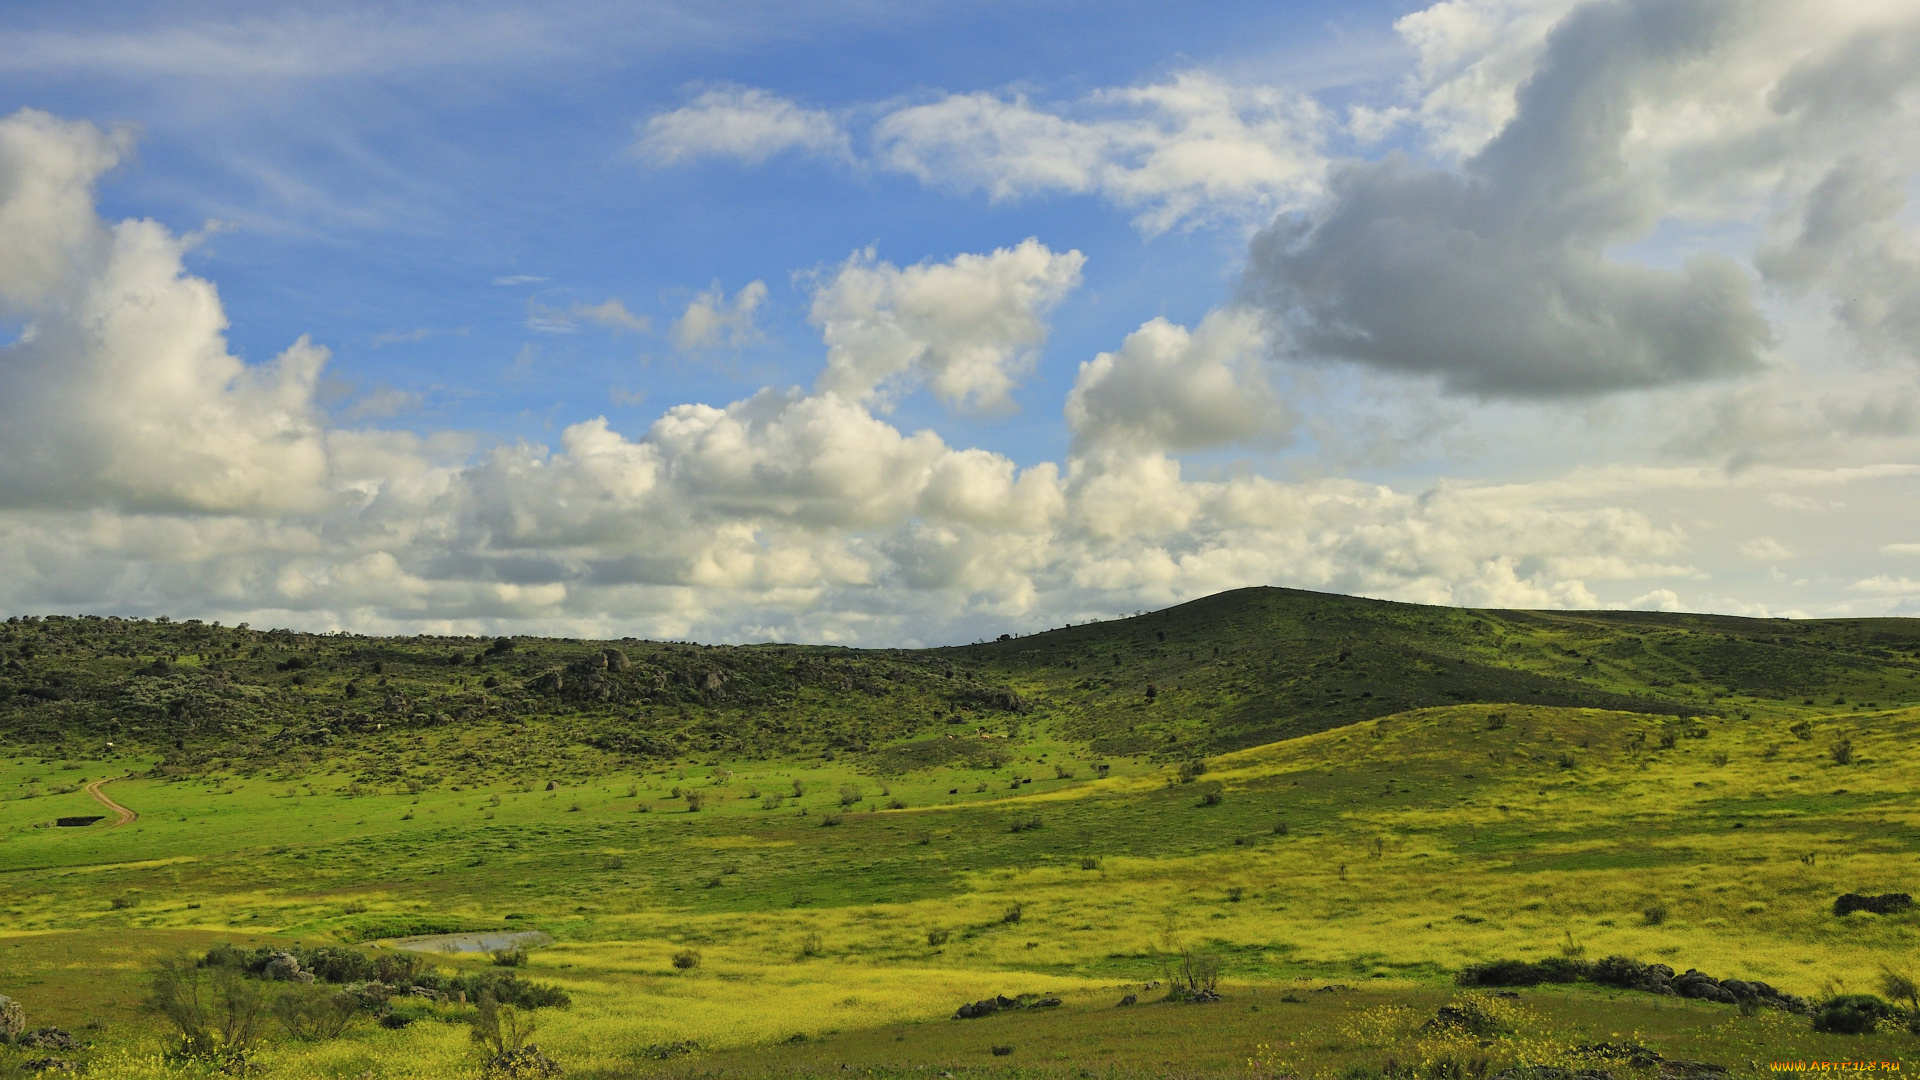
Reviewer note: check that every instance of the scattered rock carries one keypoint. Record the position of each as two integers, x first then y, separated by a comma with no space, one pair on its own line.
1001,1002
526,1063
1336,988
1551,1072
49,1065
1884,904
1690,1070
13,1019
1466,1016
1130,999
284,967
1633,1055
667,1051
48,1038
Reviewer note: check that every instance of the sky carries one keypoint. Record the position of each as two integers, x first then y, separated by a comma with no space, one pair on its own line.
879,324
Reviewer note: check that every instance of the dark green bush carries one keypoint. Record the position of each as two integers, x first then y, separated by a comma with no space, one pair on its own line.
1554,969
1850,1014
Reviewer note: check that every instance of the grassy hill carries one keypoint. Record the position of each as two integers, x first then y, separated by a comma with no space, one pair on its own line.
1318,791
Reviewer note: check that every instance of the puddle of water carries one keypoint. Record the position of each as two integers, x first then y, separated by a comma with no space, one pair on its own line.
484,941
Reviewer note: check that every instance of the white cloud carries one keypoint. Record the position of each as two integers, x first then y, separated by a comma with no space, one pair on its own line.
1189,150
967,328
611,314
1168,389
712,320
121,388
1766,549
738,122
1901,549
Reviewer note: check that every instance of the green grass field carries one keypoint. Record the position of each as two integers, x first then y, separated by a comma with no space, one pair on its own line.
1389,794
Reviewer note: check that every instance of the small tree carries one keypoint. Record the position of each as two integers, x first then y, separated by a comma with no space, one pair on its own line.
313,1013
505,1036
217,1013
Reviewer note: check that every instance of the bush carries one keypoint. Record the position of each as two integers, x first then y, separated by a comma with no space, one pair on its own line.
896,804
506,1038
686,959
1654,914
514,957
1850,1014
1090,862
694,801
1192,770
1012,914
938,936
216,1014
849,795
1554,969
315,1013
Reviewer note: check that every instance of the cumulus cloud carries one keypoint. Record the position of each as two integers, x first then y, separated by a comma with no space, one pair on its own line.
711,319
1171,389
121,388
1498,279
738,122
148,469
966,328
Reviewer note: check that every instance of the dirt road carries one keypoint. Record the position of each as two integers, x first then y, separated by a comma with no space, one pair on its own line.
121,814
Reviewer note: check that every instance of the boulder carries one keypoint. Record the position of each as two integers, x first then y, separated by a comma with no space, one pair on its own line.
1129,999
13,1019
49,1038
283,967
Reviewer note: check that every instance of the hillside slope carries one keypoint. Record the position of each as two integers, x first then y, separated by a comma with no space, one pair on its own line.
1229,671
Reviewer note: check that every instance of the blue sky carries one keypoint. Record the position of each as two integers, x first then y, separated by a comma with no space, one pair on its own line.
385,197
920,322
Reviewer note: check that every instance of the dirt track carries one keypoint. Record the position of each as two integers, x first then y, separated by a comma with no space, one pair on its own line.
121,814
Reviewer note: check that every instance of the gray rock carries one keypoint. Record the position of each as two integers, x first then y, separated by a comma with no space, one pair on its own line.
13,1019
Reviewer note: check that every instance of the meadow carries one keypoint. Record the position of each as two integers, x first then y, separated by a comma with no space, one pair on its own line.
770,860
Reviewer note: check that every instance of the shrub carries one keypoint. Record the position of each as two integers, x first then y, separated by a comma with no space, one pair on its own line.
896,804
315,1013
1719,759
1090,862
811,945
1841,751
1496,721
1654,914
1554,969
514,957
938,936
1280,828
849,795
1012,914
506,1038
1212,796
1025,824
216,1014
828,820
1802,730
1192,770
1850,1014
771,802
686,959
694,801
1197,978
